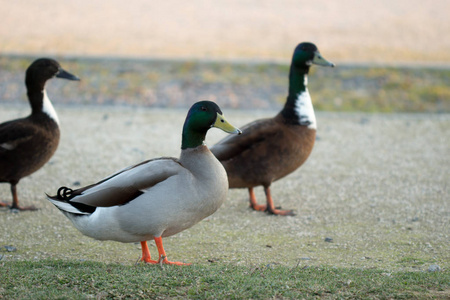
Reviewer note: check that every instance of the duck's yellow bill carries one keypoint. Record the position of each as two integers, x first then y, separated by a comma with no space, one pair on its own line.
223,124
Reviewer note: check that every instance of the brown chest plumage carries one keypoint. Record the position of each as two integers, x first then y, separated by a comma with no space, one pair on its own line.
271,157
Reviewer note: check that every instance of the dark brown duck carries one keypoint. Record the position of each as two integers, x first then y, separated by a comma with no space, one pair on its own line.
26,144
269,149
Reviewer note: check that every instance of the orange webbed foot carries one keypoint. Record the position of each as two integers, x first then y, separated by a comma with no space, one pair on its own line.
15,202
258,207
253,203
150,261
269,207
272,211
162,254
17,207
165,261
280,212
146,257
25,208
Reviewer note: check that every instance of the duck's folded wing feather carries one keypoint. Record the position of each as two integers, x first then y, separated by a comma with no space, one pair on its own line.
252,134
13,133
124,186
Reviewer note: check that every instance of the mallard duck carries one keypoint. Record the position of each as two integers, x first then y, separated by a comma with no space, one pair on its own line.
269,149
27,144
156,198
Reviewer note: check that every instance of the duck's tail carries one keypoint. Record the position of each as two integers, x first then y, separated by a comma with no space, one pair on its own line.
63,201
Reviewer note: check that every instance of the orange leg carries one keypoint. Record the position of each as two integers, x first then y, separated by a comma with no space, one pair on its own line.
271,208
15,203
253,203
162,254
146,257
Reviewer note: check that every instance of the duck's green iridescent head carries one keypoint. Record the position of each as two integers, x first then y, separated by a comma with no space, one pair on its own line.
201,117
306,54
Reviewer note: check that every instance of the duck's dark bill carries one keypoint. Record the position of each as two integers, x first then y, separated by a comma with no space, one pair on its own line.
66,75
319,60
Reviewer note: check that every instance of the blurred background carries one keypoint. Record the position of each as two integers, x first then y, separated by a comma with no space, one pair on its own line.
367,31
171,53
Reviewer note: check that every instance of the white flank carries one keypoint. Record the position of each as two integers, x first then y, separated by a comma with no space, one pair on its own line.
305,110
47,108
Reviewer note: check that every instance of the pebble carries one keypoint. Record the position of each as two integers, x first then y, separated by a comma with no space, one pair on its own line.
434,268
10,248
364,121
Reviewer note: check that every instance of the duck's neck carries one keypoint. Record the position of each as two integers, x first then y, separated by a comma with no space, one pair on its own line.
298,108
191,138
40,103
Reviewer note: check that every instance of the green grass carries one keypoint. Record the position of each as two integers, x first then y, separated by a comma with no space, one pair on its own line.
159,83
56,279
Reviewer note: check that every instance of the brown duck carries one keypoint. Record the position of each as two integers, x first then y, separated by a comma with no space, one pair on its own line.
27,144
269,149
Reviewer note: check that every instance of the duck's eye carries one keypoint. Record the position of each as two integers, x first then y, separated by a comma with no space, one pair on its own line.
204,108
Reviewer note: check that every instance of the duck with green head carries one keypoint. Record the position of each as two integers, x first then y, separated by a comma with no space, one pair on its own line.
270,149
156,198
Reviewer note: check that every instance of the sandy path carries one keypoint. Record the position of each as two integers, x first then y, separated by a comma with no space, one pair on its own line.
376,184
353,30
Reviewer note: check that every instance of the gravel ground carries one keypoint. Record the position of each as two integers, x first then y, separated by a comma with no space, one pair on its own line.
374,192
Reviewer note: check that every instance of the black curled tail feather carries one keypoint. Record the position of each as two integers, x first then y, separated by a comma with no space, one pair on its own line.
63,198
64,193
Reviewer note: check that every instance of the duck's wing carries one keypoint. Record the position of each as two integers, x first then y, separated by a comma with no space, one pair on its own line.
13,133
253,134
119,188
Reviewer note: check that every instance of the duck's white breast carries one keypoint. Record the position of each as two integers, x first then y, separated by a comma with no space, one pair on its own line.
48,108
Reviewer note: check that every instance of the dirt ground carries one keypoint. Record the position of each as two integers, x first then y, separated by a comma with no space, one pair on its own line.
370,31
374,192
377,185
